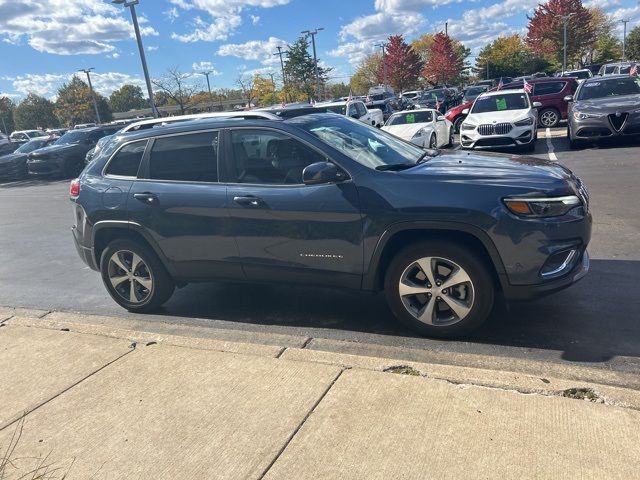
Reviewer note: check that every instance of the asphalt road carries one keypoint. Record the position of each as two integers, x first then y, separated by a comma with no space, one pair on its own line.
595,322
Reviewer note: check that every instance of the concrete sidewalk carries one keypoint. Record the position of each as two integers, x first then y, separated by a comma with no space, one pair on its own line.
92,397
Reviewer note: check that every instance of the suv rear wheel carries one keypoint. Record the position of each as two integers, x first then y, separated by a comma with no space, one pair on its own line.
439,289
549,117
134,276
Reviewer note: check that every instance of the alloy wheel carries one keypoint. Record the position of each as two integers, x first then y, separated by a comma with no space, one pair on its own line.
549,118
130,276
436,291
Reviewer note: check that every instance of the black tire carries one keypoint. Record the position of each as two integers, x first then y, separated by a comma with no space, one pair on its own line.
433,142
483,289
457,122
451,139
162,286
549,118
573,144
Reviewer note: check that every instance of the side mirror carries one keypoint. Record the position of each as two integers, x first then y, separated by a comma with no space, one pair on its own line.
440,118
536,104
568,98
465,111
320,172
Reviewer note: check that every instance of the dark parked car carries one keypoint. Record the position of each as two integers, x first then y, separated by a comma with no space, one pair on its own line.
604,107
326,200
471,93
551,93
66,156
14,165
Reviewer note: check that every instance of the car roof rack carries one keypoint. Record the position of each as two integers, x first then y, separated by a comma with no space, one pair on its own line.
159,122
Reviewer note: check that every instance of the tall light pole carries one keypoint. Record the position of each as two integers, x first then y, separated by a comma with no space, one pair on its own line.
313,33
132,6
206,74
384,63
280,53
93,94
565,20
624,38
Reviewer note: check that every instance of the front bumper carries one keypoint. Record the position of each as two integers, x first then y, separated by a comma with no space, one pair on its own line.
13,170
602,128
45,166
518,136
531,292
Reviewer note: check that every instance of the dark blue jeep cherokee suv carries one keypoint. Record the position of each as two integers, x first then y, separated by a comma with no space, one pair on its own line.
325,200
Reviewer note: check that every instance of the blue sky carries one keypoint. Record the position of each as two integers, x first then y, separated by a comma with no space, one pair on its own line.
43,42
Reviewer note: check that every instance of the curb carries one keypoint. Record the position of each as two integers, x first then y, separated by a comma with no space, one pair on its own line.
597,385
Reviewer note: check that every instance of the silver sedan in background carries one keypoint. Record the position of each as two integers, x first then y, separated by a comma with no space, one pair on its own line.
604,107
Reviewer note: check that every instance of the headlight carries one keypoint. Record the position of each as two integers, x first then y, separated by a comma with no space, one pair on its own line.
541,206
420,133
524,122
468,126
582,115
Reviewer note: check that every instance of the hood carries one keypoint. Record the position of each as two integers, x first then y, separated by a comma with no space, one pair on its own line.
609,104
493,169
12,157
498,117
406,131
55,149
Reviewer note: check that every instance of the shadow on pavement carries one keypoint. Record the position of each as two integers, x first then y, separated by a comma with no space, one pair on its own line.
591,321
31,182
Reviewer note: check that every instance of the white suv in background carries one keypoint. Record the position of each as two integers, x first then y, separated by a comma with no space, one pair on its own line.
504,118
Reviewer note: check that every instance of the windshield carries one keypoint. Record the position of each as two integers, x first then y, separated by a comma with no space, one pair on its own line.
609,69
499,103
32,145
434,94
581,75
410,117
72,138
366,145
609,88
341,109
475,91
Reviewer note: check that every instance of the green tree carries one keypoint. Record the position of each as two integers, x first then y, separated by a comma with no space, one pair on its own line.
632,46
366,74
607,48
508,57
337,90
35,112
299,69
128,97
265,91
75,105
7,107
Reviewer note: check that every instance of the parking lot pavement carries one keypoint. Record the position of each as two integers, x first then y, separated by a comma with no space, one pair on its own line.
593,322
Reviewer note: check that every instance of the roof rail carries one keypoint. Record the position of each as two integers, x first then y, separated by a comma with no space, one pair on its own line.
158,122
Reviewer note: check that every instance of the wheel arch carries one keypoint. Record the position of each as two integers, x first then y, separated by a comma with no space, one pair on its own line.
107,231
399,236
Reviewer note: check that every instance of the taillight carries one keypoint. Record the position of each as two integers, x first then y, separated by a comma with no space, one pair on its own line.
74,188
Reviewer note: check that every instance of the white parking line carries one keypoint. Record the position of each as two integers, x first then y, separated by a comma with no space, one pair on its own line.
552,155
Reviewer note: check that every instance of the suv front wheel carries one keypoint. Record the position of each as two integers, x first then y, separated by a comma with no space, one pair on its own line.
439,289
134,276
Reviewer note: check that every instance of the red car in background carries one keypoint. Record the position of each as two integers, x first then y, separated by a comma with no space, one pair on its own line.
549,91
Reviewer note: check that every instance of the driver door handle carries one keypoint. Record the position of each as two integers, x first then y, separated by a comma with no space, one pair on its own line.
248,201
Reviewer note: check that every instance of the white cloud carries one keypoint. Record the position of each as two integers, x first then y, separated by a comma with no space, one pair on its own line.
397,6
260,50
66,27
172,14
354,52
205,66
115,55
47,85
224,17
254,19
152,48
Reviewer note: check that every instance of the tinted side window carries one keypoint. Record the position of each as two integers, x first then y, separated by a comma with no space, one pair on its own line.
352,110
269,157
127,161
548,88
362,111
192,157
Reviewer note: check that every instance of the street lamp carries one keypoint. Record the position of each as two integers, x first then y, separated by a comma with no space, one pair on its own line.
206,74
280,53
565,20
624,38
384,63
131,4
315,58
93,94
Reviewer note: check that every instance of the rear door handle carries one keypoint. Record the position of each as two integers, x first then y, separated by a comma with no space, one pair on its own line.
147,198
248,201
